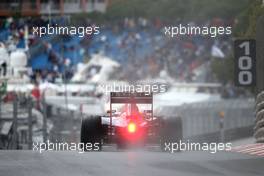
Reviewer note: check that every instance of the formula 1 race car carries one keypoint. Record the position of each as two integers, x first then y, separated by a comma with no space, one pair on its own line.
129,126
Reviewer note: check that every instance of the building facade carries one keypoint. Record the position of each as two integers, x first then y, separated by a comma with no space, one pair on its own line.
51,7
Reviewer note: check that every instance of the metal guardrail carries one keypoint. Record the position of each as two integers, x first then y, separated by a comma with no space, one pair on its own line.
259,121
17,119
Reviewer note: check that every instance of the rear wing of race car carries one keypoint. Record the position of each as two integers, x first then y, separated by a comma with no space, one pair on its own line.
129,98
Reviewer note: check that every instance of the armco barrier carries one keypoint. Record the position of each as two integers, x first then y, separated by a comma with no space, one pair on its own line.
202,121
259,121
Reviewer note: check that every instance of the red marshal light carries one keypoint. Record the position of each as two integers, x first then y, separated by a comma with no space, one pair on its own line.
131,127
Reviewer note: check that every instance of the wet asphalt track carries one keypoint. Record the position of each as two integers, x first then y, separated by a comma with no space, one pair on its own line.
128,163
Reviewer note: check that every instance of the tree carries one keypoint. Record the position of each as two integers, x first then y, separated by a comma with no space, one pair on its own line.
245,28
180,9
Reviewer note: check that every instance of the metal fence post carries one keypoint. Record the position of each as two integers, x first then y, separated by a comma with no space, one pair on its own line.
30,134
44,119
221,126
0,107
14,141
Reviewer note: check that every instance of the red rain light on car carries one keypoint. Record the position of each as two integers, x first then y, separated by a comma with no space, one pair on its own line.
131,127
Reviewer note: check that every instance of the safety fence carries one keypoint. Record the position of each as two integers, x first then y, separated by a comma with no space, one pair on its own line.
22,121
16,123
214,120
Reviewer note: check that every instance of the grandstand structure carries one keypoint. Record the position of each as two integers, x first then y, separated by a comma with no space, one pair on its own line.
54,7
133,43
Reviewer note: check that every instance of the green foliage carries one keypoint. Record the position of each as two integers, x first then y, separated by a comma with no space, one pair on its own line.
223,69
245,28
170,10
3,88
247,20
176,9
205,9
81,17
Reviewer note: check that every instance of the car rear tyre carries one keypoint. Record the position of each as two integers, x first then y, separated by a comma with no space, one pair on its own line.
91,133
171,132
